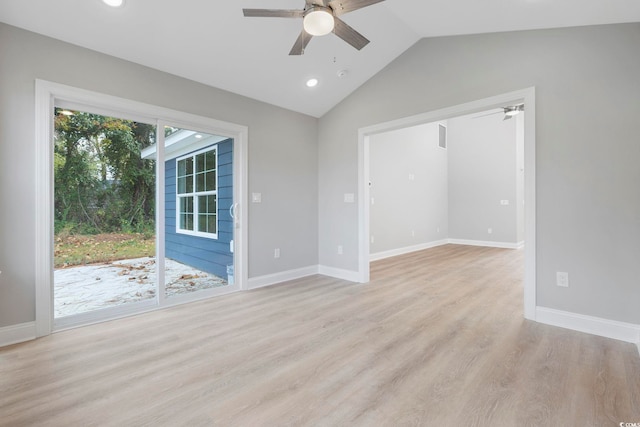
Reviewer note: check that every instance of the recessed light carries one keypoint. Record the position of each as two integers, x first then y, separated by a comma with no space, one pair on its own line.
312,82
113,3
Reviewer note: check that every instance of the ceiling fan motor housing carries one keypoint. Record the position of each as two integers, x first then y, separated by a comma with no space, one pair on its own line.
318,20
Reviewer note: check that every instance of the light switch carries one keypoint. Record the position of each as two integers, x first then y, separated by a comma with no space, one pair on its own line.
349,198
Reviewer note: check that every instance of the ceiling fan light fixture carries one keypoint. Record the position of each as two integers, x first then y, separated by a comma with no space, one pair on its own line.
318,21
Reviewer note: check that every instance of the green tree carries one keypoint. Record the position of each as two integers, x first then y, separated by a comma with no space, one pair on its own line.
101,182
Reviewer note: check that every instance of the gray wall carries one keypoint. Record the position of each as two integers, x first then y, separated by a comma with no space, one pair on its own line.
283,162
408,174
482,172
587,109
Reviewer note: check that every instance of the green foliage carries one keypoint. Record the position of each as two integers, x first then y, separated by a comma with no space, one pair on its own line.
101,182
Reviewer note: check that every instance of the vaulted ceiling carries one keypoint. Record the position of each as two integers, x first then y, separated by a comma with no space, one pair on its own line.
213,43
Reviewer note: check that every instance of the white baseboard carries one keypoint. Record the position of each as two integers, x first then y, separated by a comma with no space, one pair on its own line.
338,273
592,325
503,245
283,276
408,249
17,333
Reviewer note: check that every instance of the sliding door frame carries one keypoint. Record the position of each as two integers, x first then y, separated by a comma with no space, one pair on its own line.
50,95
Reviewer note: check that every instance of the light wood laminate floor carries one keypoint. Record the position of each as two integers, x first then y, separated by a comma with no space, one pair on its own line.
437,338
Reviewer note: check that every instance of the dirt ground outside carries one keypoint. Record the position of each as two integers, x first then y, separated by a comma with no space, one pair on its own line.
91,287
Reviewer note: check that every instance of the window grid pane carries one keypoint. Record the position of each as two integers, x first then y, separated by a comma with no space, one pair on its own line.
197,175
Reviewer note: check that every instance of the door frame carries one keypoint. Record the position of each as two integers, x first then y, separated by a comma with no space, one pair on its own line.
525,95
50,94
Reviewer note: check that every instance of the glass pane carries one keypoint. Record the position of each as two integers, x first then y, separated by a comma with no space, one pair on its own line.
200,182
105,228
212,202
200,163
202,205
183,204
202,223
212,223
211,181
196,263
211,160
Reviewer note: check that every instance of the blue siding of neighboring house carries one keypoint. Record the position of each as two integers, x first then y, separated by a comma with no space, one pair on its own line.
210,255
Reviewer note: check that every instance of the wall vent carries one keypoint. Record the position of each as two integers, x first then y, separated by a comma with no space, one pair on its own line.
442,136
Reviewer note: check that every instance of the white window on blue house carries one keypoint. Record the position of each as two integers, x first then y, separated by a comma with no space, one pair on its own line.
197,193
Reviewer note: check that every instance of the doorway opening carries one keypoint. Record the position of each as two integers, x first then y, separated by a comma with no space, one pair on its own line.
526,97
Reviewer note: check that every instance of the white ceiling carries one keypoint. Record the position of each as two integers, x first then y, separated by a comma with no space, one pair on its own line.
212,43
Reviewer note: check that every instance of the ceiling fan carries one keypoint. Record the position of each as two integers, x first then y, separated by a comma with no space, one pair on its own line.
508,111
320,17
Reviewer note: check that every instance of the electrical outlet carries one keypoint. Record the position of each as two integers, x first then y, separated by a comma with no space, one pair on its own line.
373,239
276,253
340,250
562,279
413,233
489,230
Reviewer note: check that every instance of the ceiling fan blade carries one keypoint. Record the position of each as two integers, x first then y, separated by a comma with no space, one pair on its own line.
340,7
301,43
273,13
348,34
506,117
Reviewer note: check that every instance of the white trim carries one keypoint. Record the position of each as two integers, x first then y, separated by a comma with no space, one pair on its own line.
160,215
486,243
44,209
15,334
406,250
525,95
591,325
176,147
338,273
47,94
283,276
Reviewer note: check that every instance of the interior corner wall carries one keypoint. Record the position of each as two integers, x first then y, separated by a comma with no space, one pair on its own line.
408,175
482,174
587,151
283,156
